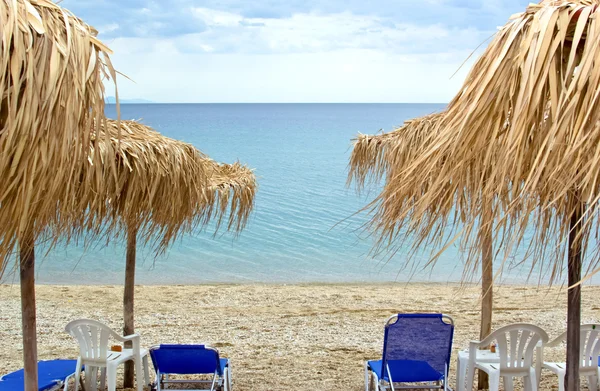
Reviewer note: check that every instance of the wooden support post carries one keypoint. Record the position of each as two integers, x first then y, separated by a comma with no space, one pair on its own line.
487,281
28,315
572,380
128,300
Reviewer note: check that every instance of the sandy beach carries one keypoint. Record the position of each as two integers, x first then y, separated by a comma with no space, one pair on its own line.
282,337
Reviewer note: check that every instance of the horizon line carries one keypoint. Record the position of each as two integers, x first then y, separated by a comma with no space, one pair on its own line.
276,103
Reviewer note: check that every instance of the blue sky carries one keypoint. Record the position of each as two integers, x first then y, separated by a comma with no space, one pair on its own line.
295,50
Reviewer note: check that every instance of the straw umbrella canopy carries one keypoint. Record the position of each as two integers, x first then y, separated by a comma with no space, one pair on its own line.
385,155
524,131
164,188
52,69
152,168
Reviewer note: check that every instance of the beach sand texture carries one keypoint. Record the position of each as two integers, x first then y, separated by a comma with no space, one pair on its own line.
282,337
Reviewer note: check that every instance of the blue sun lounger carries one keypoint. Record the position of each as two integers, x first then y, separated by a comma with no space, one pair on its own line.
52,375
190,360
416,349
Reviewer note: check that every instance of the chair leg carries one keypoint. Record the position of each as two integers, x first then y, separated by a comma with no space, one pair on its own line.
88,385
470,375
529,383
460,376
111,377
561,382
494,381
78,374
592,383
139,375
146,370
102,378
94,379
508,383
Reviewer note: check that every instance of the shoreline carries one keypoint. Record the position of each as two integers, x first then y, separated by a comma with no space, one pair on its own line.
15,282
314,336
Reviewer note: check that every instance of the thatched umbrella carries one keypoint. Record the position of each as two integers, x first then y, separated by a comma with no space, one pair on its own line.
524,131
385,155
164,188
51,93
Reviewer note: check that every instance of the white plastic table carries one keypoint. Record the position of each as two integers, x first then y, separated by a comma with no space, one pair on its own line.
483,356
91,372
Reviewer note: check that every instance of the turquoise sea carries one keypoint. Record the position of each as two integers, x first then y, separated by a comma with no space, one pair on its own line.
304,227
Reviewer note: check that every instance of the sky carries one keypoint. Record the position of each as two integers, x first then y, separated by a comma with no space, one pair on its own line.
196,51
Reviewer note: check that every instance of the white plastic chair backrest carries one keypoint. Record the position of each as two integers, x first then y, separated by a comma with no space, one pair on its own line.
93,338
517,343
589,344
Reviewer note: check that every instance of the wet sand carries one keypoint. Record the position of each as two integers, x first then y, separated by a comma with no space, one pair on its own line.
283,337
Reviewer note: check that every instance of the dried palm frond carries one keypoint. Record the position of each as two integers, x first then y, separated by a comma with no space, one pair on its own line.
375,156
523,133
163,186
52,69
231,190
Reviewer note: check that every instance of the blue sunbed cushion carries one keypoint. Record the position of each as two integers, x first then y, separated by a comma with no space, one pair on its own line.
49,374
12,385
15,384
187,360
407,371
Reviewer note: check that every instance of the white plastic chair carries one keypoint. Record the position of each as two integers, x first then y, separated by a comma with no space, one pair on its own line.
93,338
516,344
590,350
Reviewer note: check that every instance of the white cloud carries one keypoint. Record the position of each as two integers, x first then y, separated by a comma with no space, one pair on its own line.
217,18
108,28
314,32
306,57
163,74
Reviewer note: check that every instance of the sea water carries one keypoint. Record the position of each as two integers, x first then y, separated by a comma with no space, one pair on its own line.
304,227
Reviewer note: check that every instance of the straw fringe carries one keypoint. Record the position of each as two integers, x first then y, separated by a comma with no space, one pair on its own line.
523,133
232,187
164,187
51,97
375,156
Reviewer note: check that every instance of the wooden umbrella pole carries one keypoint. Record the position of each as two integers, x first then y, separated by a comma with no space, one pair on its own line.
572,380
487,280
28,315
128,300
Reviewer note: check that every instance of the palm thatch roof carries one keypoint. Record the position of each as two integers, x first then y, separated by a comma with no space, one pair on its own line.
386,156
52,69
164,186
522,132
